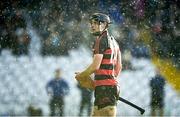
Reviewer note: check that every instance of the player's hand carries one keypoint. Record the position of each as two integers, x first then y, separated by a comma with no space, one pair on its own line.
77,75
79,78
84,81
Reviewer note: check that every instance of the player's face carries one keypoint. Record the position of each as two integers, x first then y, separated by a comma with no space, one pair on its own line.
94,26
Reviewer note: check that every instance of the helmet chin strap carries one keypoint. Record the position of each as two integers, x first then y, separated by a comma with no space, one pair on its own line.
96,33
105,29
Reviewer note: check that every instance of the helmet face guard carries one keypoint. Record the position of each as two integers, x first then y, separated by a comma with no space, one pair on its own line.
100,17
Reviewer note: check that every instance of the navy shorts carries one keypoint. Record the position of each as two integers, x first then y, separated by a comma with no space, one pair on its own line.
106,96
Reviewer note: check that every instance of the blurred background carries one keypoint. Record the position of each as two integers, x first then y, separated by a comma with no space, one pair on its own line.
39,36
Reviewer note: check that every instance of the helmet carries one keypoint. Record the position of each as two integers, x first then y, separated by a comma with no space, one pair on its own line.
100,17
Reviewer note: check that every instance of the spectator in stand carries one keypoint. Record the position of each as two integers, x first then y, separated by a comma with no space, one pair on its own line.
57,88
23,42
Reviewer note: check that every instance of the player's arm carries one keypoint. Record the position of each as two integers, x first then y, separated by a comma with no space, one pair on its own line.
93,66
84,78
102,45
